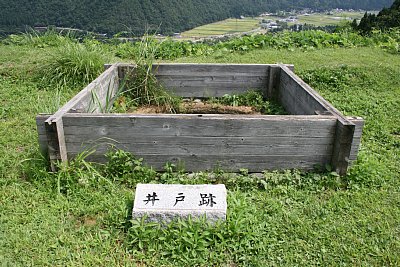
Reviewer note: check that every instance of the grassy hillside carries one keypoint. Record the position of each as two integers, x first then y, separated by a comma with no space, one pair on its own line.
80,215
134,16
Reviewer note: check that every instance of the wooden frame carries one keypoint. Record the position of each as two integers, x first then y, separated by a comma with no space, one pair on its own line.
315,133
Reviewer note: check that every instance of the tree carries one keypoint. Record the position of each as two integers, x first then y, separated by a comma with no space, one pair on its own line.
386,18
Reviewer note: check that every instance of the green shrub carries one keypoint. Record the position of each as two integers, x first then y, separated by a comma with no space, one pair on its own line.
123,167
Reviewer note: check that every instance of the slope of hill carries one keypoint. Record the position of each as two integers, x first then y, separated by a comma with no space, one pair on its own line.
137,15
80,216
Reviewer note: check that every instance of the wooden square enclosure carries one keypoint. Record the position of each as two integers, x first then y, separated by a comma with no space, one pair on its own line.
314,134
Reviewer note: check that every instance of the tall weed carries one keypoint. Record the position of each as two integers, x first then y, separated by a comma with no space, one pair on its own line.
74,64
36,39
144,88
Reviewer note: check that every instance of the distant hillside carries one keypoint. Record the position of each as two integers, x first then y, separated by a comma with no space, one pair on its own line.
135,16
387,18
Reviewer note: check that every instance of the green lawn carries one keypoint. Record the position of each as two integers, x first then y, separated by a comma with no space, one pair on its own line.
291,218
227,26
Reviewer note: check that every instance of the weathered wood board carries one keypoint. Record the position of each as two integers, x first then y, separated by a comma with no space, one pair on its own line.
295,97
213,80
206,142
355,145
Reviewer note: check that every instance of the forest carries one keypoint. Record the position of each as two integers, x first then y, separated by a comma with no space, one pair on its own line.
387,18
137,16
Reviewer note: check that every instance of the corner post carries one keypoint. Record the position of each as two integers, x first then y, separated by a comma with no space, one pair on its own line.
57,149
273,82
342,146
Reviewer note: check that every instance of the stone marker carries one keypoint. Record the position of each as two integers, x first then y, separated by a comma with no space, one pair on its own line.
165,202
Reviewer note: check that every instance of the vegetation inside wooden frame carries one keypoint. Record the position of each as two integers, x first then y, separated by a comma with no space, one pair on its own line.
143,93
251,102
314,133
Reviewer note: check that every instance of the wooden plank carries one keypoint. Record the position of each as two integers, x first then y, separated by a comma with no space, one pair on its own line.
198,130
56,146
195,81
248,142
212,80
359,124
171,68
210,90
296,96
53,145
321,105
194,125
273,82
76,104
125,70
342,146
207,141
251,72
227,149
190,69
233,163
299,98
42,137
99,94
355,146
54,125
92,118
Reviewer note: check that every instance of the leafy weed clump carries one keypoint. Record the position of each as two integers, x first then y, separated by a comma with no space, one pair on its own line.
253,99
124,168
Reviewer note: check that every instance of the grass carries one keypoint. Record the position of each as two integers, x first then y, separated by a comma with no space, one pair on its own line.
227,26
80,216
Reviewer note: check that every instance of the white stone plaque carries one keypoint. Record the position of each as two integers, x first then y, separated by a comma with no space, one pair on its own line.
164,202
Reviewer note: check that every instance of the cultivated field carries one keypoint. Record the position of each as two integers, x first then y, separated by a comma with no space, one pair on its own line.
232,26
322,19
228,26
